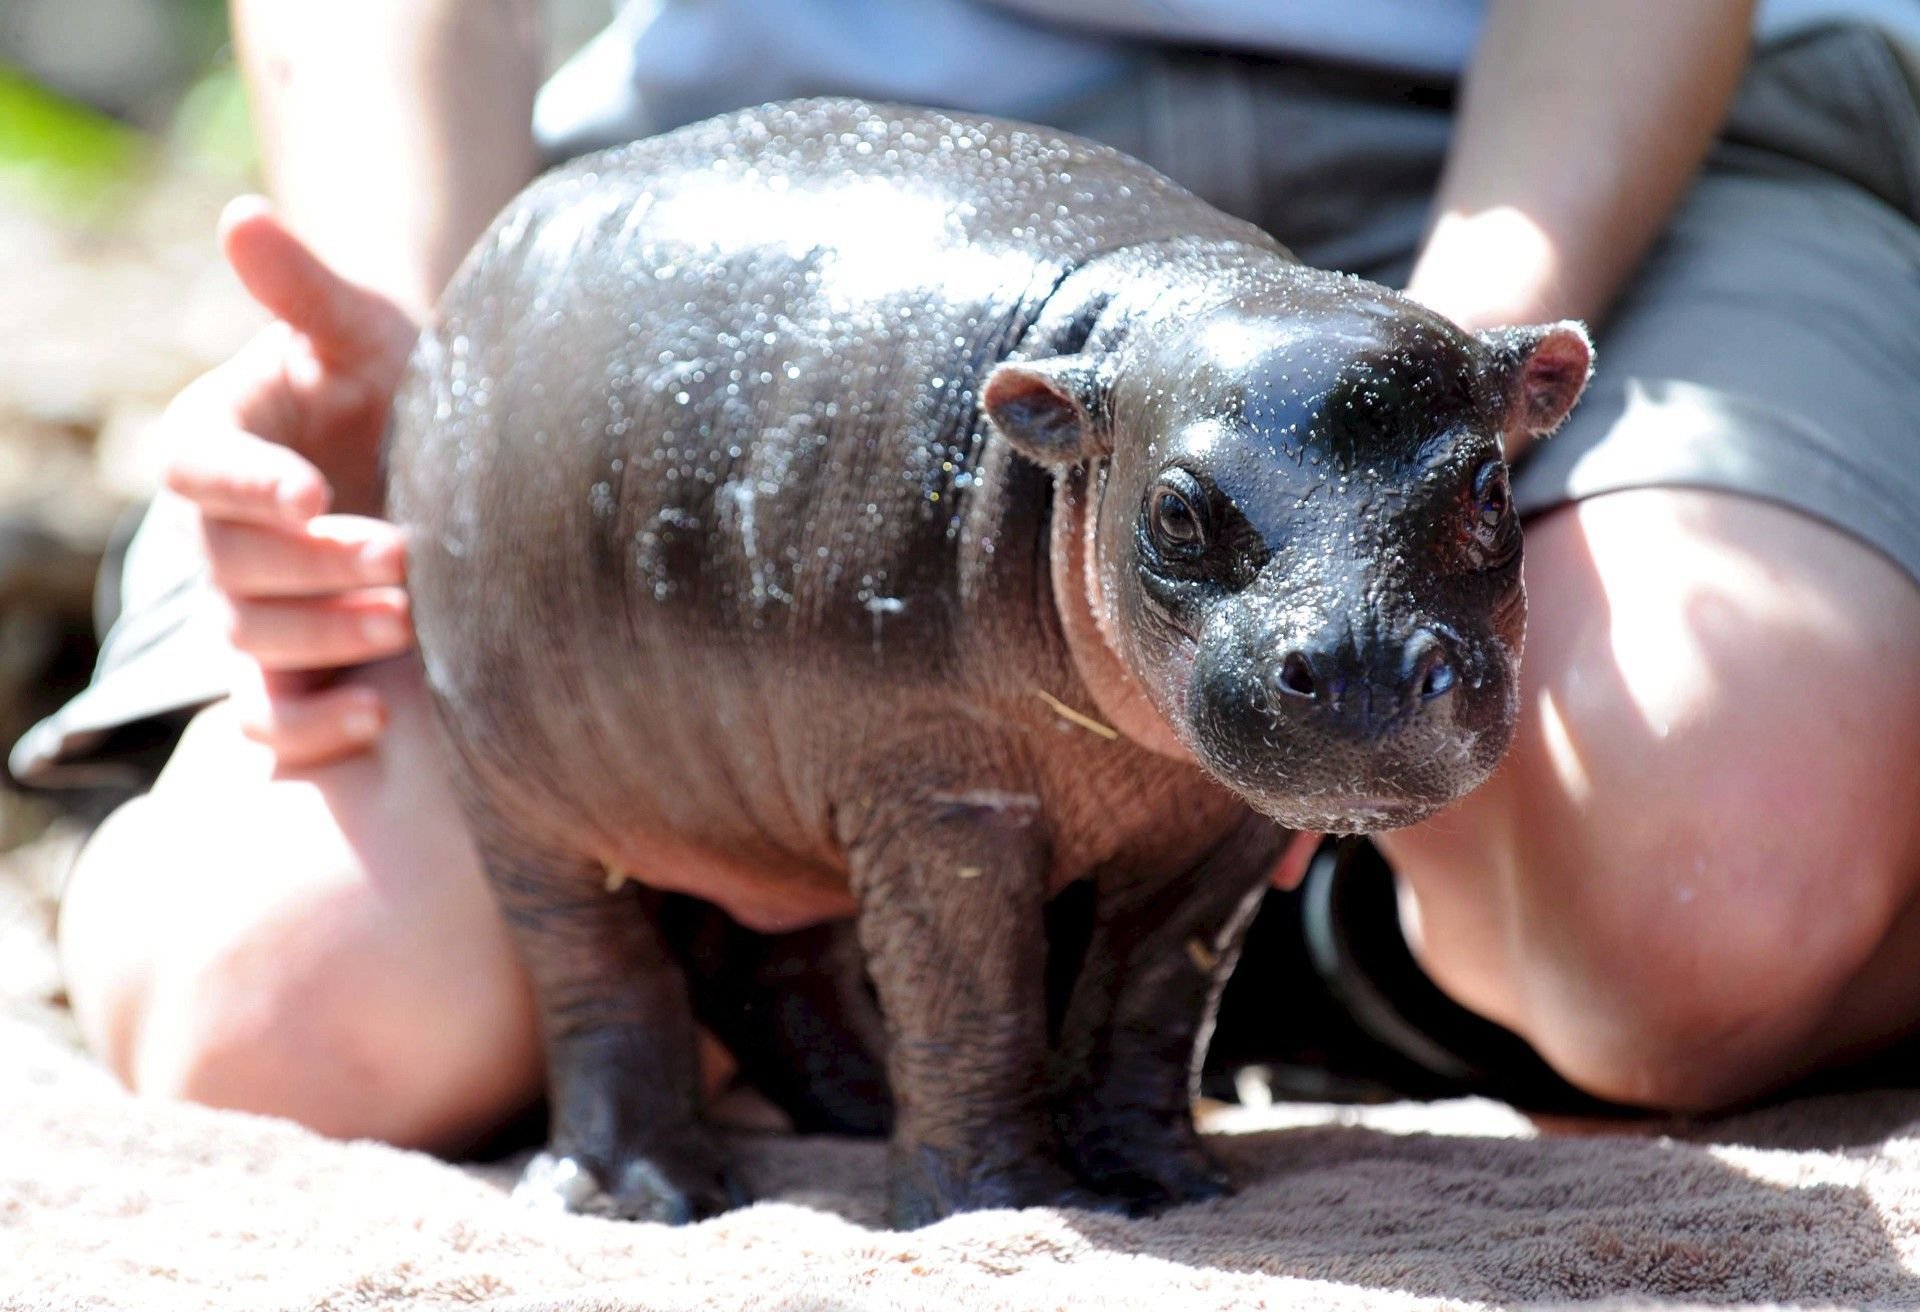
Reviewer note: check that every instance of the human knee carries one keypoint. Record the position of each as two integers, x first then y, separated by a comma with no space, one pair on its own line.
1693,965
106,959
254,1005
1707,824
276,978
1680,944
261,1017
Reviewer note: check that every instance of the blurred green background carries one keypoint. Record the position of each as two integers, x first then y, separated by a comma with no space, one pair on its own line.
96,94
123,129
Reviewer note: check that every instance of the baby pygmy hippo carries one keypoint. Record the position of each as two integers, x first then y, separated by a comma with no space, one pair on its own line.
834,510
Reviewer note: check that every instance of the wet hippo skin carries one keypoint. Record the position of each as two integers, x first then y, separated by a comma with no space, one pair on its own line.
834,510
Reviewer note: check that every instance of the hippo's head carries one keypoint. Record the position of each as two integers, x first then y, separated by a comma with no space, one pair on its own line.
1305,551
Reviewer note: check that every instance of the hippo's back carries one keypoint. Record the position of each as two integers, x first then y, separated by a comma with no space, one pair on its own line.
695,441
865,180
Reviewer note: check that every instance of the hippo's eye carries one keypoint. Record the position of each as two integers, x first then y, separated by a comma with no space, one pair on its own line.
1491,526
1177,515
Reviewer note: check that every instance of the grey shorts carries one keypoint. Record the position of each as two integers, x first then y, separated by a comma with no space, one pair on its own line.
1769,346
1770,343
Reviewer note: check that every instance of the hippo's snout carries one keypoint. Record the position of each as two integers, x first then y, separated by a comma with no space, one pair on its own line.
1341,731
1363,690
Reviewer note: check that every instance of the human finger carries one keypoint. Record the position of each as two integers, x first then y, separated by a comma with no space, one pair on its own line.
235,475
319,633
312,728
328,554
343,320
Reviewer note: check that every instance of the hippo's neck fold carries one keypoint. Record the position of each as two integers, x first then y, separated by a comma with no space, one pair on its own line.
1098,309
1101,306
1086,621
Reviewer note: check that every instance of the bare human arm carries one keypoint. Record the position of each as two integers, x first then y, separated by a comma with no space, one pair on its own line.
391,131
1581,125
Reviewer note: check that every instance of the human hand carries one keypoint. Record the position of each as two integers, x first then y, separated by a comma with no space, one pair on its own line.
265,447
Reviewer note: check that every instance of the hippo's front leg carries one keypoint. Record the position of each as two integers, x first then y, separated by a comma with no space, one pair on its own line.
626,1137
951,886
1163,945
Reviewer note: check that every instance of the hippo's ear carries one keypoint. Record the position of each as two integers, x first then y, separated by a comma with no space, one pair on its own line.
1540,371
1046,409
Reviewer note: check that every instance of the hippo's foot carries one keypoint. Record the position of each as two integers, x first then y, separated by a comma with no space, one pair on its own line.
928,1184
655,1188
1150,1160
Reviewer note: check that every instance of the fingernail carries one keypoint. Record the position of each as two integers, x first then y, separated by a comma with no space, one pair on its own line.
382,629
362,725
293,500
381,554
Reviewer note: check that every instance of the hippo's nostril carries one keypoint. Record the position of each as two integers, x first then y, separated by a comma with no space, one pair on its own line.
1296,676
1433,674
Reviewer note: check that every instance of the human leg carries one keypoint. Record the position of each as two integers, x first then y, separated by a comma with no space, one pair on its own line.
1688,881
318,944
1693,880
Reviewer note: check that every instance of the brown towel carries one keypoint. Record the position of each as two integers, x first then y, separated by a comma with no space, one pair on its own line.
107,1201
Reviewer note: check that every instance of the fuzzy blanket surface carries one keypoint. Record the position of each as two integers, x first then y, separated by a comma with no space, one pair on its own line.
109,1201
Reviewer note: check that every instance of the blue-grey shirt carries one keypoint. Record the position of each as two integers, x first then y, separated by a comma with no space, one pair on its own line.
662,63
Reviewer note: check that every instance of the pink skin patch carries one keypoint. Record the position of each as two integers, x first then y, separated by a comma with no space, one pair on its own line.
1291,868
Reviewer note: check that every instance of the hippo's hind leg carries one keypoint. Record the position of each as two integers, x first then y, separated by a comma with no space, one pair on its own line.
951,886
1137,1020
626,1137
795,1011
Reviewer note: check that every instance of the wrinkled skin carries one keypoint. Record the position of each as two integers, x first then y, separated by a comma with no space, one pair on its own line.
789,527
